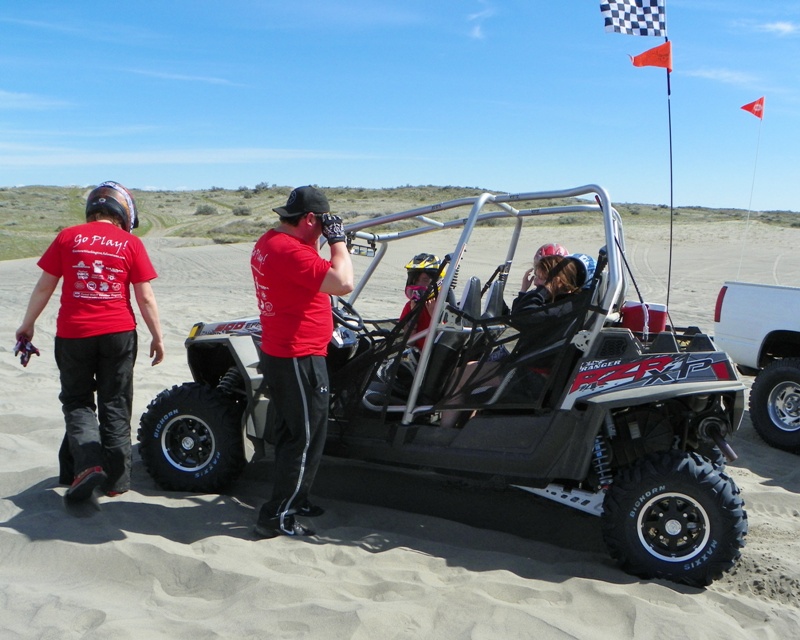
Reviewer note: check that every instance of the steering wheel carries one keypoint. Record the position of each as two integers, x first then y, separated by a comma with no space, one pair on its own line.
345,315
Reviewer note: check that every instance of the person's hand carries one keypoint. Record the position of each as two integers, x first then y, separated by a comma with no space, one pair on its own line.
25,332
156,351
527,279
332,228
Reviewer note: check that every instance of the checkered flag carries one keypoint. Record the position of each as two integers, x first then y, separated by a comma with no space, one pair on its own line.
636,17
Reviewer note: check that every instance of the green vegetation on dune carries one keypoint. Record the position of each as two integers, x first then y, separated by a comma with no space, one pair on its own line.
31,216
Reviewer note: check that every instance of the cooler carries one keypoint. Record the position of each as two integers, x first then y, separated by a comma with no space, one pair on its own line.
633,317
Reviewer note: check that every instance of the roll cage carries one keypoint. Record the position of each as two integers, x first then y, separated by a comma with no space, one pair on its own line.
465,318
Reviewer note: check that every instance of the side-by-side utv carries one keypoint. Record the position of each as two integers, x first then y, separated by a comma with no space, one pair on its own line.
601,405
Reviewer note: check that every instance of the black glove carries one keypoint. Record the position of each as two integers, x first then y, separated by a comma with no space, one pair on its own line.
332,228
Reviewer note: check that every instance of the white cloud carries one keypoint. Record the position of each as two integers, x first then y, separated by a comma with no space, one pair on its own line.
9,100
724,76
46,26
780,28
182,77
478,18
41,157
93,132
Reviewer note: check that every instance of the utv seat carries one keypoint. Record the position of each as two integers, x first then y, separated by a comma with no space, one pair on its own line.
445,353
494,306
450,341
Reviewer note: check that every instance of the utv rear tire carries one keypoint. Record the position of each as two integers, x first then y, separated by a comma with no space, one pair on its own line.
673,516
775,404
191,439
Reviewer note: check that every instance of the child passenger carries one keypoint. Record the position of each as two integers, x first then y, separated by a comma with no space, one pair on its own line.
423,269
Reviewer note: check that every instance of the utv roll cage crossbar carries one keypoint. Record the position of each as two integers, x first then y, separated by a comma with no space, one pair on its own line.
377,242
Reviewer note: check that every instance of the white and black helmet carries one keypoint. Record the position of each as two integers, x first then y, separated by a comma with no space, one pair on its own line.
111,198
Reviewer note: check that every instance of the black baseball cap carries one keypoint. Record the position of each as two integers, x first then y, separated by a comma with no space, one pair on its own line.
301,201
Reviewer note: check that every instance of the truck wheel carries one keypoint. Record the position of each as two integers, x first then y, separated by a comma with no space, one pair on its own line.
775,404
191,439
673,516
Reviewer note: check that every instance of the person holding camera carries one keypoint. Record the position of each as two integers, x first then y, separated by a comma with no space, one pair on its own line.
293,288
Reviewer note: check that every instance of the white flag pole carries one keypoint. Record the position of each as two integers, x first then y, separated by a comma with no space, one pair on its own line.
750,203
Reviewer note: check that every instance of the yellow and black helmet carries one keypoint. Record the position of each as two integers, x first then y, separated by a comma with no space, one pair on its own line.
423,263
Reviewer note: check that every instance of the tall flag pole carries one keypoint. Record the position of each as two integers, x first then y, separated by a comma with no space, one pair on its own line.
757,109
647,18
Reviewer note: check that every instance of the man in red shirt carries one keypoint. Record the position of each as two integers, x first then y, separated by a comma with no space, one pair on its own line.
293,287
96,341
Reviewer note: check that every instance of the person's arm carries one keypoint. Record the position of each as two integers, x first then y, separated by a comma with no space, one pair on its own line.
39,299
527,300
339,279
146,300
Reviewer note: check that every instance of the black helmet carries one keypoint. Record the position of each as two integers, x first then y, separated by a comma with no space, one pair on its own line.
422,263
112,198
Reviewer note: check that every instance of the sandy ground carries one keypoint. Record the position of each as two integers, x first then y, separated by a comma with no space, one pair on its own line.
398,555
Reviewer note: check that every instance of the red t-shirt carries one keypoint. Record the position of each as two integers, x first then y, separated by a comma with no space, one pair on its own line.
296,317
98,262
423,322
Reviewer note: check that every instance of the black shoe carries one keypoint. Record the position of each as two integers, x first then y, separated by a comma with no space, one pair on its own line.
308,510
272,528
85,483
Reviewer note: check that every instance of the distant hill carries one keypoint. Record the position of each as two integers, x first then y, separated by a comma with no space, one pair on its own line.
31,216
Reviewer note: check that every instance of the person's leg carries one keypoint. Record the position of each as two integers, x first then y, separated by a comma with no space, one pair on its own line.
452,417
318,399
299,396
76,361
470,378
116,359
66,465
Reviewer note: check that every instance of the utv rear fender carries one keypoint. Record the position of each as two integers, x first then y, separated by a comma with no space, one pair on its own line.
638,396
211,357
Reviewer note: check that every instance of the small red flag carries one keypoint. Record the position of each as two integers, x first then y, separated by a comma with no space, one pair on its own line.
660,56
756,108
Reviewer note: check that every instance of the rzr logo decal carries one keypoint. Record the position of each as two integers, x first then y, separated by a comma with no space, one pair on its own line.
230,327
664,369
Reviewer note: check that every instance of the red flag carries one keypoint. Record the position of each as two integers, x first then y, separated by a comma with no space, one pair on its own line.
660,56
756,108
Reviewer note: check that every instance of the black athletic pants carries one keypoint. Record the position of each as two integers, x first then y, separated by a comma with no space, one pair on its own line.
298,409
97,434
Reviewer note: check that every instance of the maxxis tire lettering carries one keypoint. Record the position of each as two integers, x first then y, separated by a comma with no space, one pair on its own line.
688,526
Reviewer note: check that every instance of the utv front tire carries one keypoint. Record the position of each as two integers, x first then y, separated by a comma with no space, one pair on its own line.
775,404
673,516
190,439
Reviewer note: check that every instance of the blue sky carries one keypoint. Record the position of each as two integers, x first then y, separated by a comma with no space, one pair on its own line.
506,95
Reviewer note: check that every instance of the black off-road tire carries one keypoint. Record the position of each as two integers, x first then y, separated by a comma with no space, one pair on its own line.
712,453
775,404
673,516
191,439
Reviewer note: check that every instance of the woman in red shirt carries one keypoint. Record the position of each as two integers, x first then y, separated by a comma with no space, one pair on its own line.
96,341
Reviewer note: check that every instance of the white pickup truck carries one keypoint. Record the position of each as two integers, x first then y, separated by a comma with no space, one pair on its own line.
758,325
